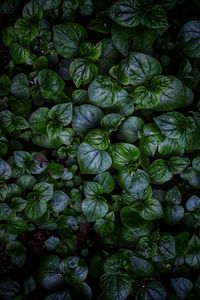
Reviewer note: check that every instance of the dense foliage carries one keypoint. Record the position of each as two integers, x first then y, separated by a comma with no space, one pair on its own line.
99,147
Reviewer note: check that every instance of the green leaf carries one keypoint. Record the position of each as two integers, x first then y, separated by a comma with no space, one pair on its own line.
109,56
173,196
130,129
5,170
133,39
152,210
123,155
9,289
23,159
116,286
61,113
123,12
92,188
32,11
180,239
154,16
141,268
82,71
75,269
163,93
177,164
97,138
133,182
9,36
18,204
171,147
145,98
24,31
16,225
196,163
104,227
173,124
43,191
111,122
170,92
137,69
154,290
86,117
39,119
52,243
192,258
191,176
20,86
48,273
54,129
90,51
5,83
107,181
67,38
5,211
45,142
149,145
193,203
116,262
159,171
27,182
35,208
51,84
182,287
20,123
105,92
94,208
19,54
173,214
189,39
166,248
92,161
59,201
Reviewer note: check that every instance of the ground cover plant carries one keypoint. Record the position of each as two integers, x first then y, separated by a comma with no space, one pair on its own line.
99,150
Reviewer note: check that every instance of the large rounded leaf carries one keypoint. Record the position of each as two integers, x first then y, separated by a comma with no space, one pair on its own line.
94,208
133,182
189,39
130,129
124,13
48,273
182,287
136,69
5,170
82,71
152,291
124,154
39,119
67,38
86,117
116,286
51,84
93,161
106,92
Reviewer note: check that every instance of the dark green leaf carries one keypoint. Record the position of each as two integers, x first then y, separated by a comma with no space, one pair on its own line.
67,38
93,161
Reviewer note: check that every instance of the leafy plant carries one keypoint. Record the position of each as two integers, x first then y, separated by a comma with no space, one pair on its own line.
99,150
